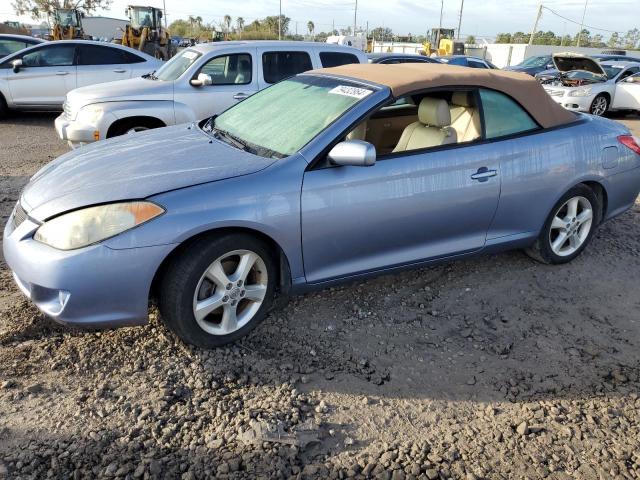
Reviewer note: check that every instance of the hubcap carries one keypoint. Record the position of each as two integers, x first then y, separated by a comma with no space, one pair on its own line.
599,106
230,292
570,226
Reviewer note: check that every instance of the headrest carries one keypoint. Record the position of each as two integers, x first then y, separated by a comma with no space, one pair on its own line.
462,99
434,112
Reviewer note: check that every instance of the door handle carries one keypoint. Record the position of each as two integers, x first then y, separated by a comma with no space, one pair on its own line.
483,174
240,96
62,73
119,70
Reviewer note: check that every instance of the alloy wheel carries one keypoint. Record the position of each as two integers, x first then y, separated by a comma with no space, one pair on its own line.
570,226
599,106
230,292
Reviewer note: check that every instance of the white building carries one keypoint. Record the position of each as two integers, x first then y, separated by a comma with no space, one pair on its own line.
103,27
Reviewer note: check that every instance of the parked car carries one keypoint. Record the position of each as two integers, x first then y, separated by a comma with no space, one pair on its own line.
465,61
386,58
532,65
552,73
200,81
12,43
39,77
586,85
295,188
628,94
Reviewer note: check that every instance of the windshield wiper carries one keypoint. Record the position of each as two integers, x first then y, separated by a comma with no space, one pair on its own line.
229,138
150,76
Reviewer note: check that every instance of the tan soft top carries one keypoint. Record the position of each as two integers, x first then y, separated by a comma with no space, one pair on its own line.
404,78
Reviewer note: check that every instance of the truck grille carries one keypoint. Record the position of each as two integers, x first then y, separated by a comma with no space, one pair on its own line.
19,216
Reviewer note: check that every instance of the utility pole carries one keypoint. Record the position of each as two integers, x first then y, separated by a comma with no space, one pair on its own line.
333,27
439,25
535,24
584,12
460,18
280,22
355,18
164,7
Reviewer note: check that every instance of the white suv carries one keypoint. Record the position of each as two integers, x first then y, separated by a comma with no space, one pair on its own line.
200,81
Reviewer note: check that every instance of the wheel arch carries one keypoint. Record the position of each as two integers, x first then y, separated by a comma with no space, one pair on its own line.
601,193
284,271
144,120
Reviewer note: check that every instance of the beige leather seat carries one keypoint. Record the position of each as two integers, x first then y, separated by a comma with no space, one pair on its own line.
358,133
432,128
465,118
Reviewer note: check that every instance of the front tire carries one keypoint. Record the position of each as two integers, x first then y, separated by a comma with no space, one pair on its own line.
600,105
568,228
216,290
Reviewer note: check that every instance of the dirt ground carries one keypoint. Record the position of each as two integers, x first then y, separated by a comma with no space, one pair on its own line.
497,368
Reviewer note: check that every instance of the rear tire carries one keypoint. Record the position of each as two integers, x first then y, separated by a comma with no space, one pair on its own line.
568,228
4,110
216,290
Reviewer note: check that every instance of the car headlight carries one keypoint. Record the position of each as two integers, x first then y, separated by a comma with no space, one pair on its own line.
580,92
89,114
83,227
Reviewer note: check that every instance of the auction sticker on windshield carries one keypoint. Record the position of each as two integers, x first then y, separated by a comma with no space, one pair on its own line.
348,91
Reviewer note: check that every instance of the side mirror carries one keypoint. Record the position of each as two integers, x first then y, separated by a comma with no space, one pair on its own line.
17,64
632,79
357,153
202,80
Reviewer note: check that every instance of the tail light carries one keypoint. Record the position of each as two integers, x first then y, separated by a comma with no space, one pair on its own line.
630,142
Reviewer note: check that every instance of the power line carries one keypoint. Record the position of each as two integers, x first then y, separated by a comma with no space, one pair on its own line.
579,23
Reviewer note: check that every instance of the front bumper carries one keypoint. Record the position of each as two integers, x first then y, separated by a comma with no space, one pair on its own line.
93,286
576,104
77,133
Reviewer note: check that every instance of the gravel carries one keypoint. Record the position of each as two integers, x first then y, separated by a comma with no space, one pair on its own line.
496,367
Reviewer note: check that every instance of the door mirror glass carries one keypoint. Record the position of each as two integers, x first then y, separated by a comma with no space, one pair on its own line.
16,65
202,80
357,153
632,79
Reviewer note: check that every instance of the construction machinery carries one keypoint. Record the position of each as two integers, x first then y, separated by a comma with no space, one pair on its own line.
146,33
441,42
66,24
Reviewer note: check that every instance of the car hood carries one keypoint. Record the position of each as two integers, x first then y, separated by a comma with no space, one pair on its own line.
133,167
568,62
131,89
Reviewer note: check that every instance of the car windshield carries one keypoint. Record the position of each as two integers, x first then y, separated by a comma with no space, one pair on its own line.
174,68
280,120
612,72
535,62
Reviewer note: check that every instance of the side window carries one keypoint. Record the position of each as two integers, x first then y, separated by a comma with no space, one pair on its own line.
7,47
458,61
229,69
476,64
97,55
50,56
277,66
628,73
132,57
503,116
335,59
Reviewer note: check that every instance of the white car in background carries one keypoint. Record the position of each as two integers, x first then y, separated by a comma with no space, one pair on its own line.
201,81
39,77
586,85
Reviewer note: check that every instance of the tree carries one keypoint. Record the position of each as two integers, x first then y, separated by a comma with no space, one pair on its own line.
614,40
227,24
271,23
38,8
310,27
631,40
503,38
471,40
381,34
240,25
179,27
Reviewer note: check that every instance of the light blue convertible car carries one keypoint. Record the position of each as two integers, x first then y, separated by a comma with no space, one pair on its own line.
328,176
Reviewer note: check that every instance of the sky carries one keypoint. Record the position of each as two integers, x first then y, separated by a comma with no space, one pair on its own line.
481,18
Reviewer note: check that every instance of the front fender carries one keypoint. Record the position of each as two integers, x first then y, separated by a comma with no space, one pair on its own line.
160,109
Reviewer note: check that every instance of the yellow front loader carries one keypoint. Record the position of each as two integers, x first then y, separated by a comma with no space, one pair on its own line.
146,33
66,24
